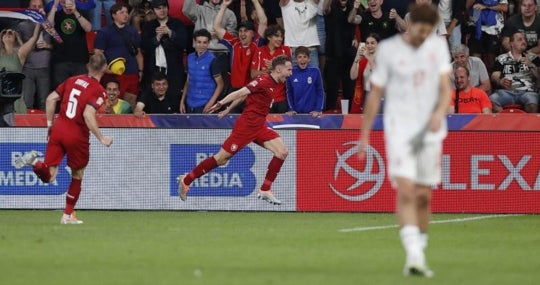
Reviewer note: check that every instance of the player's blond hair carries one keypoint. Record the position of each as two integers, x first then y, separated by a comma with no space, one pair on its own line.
97,62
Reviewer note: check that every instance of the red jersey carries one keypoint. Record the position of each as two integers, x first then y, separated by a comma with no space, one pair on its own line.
260,100
77,92
258,63
473,101
241,58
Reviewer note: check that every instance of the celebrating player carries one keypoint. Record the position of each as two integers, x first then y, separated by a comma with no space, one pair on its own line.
81,97
413,73
249,127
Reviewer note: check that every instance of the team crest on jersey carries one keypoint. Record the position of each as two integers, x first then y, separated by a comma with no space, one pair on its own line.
248,52
100,101
309,80
234,147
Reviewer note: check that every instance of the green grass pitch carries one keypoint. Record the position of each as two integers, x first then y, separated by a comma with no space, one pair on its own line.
142,247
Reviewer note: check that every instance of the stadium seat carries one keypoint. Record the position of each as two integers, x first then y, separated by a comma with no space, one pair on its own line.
512,108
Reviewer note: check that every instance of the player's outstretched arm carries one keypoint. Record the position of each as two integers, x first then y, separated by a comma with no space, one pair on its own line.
239,94
372,108
445,95
91,122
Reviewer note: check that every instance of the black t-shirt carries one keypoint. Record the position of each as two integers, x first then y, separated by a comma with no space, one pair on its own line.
515,23
152,105
338,42
384,26
74,47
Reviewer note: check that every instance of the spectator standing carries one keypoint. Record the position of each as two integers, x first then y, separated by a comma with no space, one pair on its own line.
273,12
163,42
300,23
36,69
340,52
70,57
243,47
204,82
321,33
70,134
486,20
375,20
526,21
113,104
102,6
121,40
451,12
305,93
467,98
13,54
361,70
203,16
478,75
515,73
262,62
156,100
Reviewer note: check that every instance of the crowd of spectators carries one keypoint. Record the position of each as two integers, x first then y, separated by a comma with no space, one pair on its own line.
184,63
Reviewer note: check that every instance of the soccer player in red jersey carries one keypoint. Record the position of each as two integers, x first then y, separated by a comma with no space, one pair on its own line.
81,96
249,127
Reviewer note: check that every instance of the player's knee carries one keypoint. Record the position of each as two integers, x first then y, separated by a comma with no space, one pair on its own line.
422,201
221,160
282,153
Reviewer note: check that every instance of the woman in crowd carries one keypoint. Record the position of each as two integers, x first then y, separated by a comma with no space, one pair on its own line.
364,62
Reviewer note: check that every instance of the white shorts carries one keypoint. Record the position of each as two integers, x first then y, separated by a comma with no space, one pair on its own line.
422,168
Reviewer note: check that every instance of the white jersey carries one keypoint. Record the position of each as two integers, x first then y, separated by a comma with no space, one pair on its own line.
411,79
300,23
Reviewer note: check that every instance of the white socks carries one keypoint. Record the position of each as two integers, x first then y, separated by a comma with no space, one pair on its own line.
412,242
424,240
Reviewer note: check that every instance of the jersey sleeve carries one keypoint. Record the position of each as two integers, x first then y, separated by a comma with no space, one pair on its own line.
256,85
97,99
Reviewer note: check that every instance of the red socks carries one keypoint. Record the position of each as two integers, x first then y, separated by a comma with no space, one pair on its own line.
72,195
204,167
273,169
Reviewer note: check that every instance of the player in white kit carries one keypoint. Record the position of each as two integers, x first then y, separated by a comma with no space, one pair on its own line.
412,72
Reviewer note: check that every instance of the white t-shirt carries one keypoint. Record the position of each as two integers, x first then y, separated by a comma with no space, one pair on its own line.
411,79
300,23
445,10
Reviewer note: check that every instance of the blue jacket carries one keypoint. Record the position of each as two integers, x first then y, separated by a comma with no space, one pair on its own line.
305,91
201,82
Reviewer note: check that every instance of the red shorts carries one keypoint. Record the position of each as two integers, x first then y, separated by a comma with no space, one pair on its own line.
128,83
75,145
240,137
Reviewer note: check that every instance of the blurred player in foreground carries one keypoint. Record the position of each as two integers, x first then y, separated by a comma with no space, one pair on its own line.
81,96
249,127
413,73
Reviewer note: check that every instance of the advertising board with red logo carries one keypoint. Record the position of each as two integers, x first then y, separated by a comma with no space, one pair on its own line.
482,172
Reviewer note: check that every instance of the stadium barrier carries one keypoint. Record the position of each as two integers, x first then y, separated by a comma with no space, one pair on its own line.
490,165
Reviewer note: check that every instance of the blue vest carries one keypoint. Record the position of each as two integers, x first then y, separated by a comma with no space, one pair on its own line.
201,81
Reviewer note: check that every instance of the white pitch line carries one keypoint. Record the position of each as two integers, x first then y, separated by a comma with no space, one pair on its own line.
363,229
